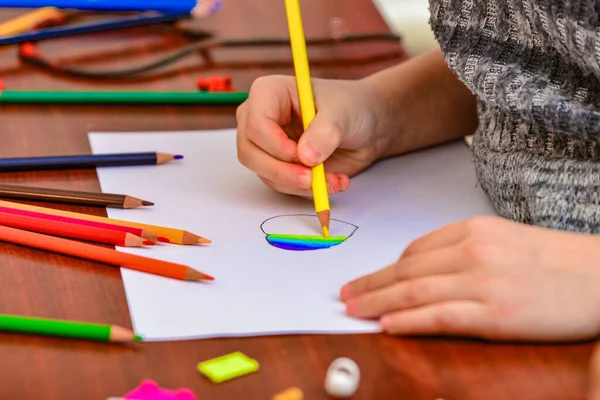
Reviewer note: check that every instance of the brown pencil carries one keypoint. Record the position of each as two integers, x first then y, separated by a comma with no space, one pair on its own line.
71,197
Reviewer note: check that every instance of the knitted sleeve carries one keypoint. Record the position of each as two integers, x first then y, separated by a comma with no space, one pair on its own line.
538,59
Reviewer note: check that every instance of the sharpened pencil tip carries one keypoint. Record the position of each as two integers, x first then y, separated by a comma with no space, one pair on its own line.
204,241
147,203
324,221
149,243
138,338
193,275
178,156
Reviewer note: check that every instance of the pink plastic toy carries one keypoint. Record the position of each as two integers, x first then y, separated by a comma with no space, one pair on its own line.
149,390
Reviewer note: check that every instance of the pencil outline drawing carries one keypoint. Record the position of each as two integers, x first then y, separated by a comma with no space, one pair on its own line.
266,235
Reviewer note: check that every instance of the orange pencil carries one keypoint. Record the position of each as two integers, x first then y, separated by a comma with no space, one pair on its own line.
74,231
100,254
176,236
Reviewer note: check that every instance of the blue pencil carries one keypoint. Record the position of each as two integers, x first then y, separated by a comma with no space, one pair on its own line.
85,161
119,23
105,5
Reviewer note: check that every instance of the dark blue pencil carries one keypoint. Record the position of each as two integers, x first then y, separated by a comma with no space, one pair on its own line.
118,23
85,161
105,5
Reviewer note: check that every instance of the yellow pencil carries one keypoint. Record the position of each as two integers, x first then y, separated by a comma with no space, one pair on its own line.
29,21
307,105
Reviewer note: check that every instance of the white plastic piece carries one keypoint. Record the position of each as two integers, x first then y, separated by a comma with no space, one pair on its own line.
343,377
205,8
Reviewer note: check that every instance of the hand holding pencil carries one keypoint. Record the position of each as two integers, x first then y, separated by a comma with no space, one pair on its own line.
349,132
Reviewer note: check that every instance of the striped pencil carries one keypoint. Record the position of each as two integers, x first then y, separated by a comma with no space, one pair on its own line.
173,235
100,254
74,231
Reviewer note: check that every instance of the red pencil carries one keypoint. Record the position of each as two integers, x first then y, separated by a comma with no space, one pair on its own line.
89,233
51,217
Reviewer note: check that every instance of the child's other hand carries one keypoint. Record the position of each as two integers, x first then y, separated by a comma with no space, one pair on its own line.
488,278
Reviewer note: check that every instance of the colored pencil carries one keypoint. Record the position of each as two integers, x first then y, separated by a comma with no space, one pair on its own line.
85,161
66,329
74,231
30,21
71,197
58,218
105,5
100,254
143,19
122,97
175,236
307,106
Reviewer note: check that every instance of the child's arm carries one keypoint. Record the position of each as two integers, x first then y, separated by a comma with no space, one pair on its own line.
430,104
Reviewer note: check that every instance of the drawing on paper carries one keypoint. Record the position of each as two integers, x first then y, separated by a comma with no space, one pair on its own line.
301,232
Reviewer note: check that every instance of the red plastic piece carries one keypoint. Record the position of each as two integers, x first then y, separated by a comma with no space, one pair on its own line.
149,390
28,50
215,84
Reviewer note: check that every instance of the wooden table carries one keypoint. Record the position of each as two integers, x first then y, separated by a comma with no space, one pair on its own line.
47,285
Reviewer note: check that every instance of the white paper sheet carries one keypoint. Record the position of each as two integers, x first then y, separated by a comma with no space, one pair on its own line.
260,289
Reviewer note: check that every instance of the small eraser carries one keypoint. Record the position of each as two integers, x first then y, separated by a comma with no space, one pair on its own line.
228,367
289,394
150,390
343,377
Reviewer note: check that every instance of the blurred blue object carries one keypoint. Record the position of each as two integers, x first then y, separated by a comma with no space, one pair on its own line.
111,5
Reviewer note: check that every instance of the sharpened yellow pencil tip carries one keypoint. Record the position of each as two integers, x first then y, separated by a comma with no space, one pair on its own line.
325,231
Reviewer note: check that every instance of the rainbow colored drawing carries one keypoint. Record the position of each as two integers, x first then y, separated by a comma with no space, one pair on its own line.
301,232
303,242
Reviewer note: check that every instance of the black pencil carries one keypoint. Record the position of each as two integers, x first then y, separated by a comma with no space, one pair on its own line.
71,197
85,161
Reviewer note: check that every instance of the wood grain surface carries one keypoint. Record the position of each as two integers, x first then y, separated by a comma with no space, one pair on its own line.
46,285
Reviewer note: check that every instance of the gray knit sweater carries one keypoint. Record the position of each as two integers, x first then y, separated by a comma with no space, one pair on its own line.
535,68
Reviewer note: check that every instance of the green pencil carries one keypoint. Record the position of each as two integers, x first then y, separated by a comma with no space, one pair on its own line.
118,97
67,329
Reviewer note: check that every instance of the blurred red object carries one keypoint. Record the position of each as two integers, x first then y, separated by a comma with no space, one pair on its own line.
215,84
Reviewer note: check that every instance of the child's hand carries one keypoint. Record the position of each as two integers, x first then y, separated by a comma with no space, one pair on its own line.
344,133
489,278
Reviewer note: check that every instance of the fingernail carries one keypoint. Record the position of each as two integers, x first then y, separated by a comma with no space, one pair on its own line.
304,181
330,188
385,322
310,153
345,292
351,307
343,185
